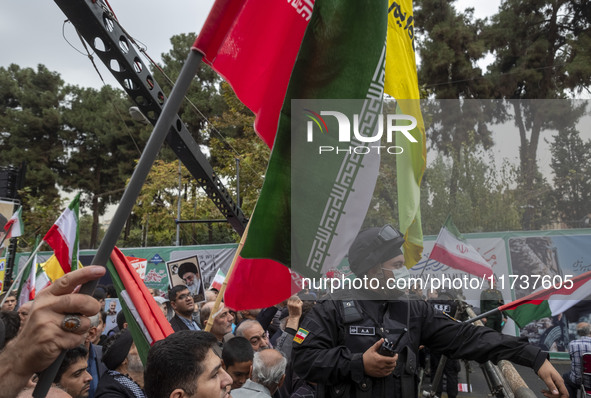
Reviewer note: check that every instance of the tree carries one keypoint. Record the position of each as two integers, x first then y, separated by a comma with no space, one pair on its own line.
541,51
103,142
571,163
156,210
203,97
30,123
485,201
450,46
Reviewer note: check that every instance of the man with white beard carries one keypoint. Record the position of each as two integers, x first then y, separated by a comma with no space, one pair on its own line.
125,374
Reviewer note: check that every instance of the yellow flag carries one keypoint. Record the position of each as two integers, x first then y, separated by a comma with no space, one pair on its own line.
53,269
401,82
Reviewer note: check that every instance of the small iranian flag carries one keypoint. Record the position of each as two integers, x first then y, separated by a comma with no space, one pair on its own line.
218,280
451,249
549,302
26,288
14,226
63,237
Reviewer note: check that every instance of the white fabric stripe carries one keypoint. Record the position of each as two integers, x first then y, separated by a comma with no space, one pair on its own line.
450,243
67,227
136,316
560,302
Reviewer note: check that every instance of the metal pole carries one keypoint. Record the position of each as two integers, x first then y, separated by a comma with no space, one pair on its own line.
132,191
178,206
238,181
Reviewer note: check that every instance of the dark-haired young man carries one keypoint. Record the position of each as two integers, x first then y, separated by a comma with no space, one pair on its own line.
72,375
183,365
237,356
183,305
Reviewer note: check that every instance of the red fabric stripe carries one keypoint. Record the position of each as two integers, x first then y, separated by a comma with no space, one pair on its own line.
257,63
445,257
61,250
148,310
217,26
543,295
258,283
9,224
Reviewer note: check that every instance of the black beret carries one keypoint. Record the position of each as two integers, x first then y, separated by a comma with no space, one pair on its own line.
117,351
368,250
187,267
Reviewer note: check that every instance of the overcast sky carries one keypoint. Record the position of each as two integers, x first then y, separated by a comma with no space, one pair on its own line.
31,32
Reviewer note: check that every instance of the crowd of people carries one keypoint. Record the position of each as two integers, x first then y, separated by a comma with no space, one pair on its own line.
361,345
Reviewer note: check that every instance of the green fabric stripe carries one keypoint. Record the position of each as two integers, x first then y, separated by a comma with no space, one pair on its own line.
337,59
527,313
136,332
75,207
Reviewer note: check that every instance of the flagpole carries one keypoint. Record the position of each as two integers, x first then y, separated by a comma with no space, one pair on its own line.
22,270
220,296
132,191
483,315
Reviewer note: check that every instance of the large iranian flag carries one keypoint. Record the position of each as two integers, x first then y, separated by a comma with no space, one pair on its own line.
549,302
63,237
451,249
341,58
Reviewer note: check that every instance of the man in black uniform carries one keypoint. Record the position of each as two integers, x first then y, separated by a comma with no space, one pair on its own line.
339,343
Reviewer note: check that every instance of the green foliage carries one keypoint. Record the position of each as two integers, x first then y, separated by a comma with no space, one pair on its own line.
156,210
485,201
103,141
30,123
571,163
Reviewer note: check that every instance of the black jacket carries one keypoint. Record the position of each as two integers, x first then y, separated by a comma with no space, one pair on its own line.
177,323
108,387
337,333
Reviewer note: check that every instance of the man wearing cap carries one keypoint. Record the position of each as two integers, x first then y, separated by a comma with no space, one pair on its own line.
340,343
189,273
125,375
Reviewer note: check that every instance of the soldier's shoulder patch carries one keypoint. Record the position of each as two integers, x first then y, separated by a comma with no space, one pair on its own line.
300,335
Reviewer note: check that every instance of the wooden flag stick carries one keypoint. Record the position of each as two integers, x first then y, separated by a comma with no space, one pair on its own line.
218,300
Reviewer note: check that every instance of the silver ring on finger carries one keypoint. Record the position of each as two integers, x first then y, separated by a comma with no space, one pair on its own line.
71,323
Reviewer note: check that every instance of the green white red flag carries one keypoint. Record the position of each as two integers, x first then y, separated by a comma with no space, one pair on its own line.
342,57
63,237
145,319
218,280
549,302
27,284
451,249
14,226
253,44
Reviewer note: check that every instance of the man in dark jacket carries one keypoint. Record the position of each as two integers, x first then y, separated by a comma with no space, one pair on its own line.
125,375
339,343
183,305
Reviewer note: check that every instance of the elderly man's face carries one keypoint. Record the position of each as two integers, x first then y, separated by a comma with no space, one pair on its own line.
257,336
189,278
222,324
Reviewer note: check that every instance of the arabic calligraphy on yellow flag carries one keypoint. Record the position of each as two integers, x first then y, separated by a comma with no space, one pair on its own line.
401,82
